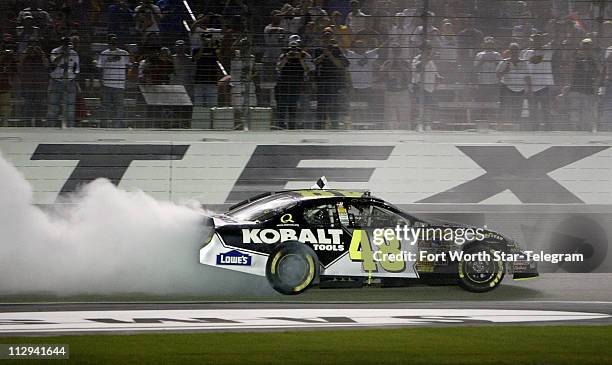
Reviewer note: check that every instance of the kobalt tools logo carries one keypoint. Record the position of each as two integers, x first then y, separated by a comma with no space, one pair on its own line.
320,237
234,258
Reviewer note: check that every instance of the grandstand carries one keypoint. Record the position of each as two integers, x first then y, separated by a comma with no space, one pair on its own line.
307,64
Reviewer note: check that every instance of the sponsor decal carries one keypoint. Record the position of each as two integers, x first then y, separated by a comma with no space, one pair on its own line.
286,218
271,236
234,258
318,247
342,214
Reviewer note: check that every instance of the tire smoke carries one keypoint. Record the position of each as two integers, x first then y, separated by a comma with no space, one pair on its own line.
104,240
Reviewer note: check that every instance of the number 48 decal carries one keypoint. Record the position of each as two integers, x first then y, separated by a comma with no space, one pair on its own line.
361,250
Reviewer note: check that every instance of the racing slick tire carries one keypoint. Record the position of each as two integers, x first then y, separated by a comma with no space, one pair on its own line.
479,276
292,267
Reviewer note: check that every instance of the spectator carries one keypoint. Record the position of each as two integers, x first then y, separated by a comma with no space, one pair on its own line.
606,117
27,32
380,16
469,41
539,58
433,34
42,19
292,69
523,30
8,72
356,19
330,81
583,84
184,67
64,26
62,86
290,21
315,8
87,68
513,74
33,74
425,78
362,64
147,16
119,17
243,76
170,25
208,73
400,33
114,63
275,39
199,27
396,73
156,68
341,30
370,36
487,84
447,54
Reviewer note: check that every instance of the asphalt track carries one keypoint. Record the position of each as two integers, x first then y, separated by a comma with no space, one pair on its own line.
553,299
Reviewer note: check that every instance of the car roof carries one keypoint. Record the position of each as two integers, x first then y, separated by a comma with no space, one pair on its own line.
311,194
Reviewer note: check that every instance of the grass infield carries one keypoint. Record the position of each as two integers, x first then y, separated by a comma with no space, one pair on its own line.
451,345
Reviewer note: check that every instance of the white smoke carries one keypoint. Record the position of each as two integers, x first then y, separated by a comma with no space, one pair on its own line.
105,240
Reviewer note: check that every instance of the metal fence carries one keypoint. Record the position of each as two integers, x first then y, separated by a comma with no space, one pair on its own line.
309,64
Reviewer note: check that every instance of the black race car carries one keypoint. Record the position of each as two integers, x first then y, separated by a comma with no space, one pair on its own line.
337,238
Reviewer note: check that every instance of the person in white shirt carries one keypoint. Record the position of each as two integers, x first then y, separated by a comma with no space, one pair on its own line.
113,63
402,30
147,16
398,100
356,19
184,67
513,74
487,84
362,64
425,77
64,65
242,74
539,58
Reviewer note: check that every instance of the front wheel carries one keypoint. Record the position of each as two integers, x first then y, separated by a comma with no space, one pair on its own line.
480,275
291,268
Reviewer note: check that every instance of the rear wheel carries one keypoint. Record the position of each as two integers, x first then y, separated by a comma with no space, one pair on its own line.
291,268
481,275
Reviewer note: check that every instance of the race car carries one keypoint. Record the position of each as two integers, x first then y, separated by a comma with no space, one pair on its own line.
338,238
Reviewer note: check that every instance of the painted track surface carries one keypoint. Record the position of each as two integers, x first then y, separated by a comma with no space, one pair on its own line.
551,300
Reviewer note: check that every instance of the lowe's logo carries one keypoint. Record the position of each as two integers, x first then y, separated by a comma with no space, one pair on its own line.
234,257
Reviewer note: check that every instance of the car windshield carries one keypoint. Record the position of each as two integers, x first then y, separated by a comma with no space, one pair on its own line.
264,208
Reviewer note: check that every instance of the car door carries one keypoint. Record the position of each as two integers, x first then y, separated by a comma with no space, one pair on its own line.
375,249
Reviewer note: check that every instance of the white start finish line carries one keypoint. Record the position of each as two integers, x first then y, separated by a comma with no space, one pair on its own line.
258,319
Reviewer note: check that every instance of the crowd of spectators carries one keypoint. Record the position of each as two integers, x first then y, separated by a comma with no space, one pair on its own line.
322,64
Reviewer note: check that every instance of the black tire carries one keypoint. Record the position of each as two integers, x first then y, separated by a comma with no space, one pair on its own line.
292,267
480,276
